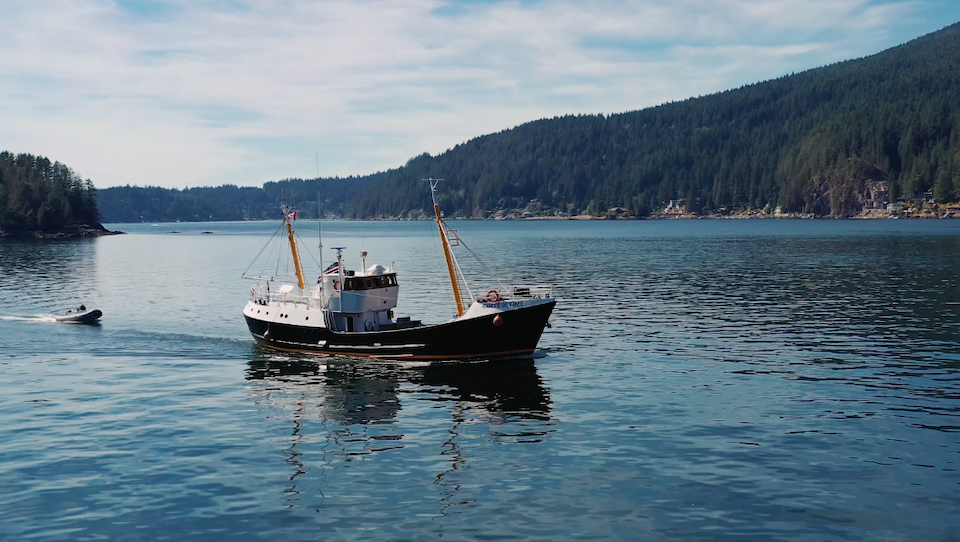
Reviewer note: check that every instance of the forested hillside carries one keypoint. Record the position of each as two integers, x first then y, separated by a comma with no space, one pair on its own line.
37,196
828,141
229,202
814,142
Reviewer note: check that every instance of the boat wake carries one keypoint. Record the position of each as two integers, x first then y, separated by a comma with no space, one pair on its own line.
38,318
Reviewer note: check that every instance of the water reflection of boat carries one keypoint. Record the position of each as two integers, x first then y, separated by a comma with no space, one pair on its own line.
345,393
350,312
514,388
363,400
352,393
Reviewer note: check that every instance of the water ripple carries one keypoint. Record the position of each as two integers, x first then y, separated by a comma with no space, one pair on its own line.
787,381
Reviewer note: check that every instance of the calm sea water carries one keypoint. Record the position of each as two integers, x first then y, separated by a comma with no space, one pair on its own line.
702,380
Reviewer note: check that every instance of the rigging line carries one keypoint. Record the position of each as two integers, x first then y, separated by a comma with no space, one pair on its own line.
483,265
269,259
280,253
433,236
463,277
287,261
268,243
466,285
304,249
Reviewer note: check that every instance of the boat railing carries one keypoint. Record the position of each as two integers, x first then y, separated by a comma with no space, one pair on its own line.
528,291
262,295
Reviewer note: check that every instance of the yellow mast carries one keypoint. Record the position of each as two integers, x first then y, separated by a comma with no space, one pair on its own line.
446,248
296,257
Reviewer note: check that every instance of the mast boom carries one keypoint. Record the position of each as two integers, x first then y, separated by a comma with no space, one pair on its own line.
296,256
447,251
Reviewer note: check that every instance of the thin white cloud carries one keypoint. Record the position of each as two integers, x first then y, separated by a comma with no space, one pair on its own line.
209,92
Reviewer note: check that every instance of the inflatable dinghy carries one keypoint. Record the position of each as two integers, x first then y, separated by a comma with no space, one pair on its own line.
81,317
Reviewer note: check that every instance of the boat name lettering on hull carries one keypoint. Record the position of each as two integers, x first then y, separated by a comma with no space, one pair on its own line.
503,305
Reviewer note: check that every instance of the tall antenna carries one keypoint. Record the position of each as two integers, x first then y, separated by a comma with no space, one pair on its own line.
319,227
433,188
319,212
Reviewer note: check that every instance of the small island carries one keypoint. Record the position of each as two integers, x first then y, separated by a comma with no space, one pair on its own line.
44,199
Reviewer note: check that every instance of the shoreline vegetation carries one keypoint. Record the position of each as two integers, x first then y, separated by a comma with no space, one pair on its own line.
41,199
898,210
925,208
936,212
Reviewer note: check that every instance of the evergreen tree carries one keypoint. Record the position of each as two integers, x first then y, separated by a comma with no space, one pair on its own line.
37,196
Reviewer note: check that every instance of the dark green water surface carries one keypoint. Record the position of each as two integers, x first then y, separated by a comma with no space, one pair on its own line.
702,380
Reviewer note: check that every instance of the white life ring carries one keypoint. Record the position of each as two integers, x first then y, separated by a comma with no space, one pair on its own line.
336,286
493,296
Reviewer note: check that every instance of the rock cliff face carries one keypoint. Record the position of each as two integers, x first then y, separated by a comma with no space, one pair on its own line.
849,189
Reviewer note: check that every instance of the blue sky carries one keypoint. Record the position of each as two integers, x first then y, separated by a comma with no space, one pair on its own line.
195,93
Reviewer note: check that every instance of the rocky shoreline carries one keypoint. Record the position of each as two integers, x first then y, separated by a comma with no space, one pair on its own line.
872,214
82,230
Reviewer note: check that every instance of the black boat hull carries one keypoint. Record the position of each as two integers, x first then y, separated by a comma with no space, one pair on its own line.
516,335
86,317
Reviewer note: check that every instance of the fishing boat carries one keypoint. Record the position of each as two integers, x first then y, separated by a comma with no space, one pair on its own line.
351,312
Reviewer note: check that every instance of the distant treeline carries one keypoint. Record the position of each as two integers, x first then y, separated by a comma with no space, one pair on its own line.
37,195
823,142
324,198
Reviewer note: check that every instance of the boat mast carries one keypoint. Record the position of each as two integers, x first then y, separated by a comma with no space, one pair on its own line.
293,248
447,252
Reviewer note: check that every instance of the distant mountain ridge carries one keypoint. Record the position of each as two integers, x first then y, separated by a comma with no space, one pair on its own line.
828,142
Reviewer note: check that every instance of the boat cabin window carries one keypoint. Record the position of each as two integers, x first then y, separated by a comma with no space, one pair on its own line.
367,283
